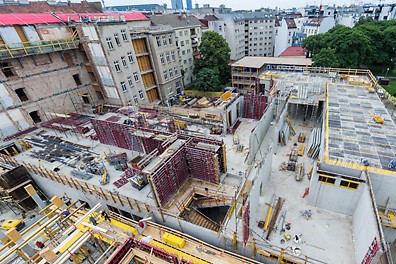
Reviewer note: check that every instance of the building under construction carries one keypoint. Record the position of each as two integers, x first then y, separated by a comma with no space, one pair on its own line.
301,173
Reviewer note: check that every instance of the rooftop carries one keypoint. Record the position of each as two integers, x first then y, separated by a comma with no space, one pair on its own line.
46,7
43,18
175,20
353,134
258,62
293,52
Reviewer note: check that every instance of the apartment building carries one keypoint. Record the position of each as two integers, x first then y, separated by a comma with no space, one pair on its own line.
318,25
188,35
247,33
113,59
43,73
285,34
166,65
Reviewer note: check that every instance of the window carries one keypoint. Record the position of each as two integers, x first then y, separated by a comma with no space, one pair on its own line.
124,62
162,59
166,75
158,41
183,52
164,40
117,39
180,33
327,179
189,60
167,57
21,94
135,99
109,43
189,51
185,33
117,66
130,56
85,98
187,42
76,78
124,35
176,71
136,76
173,56
349,184
170,73
184,61
170,40
182,43
123,86
141,95
170,89
130,81
35,117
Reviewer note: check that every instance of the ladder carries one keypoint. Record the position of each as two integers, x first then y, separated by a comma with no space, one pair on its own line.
292,132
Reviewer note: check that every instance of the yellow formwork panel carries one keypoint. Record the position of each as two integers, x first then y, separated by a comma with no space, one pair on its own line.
174,240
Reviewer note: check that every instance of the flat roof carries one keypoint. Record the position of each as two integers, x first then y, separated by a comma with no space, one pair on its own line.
258,62
353,134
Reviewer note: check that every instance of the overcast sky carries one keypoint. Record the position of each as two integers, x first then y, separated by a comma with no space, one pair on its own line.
246,4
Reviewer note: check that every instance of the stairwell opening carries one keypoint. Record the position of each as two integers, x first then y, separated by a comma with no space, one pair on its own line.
207,211
217,214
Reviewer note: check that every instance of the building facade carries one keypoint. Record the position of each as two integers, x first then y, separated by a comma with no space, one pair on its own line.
188,35
177,4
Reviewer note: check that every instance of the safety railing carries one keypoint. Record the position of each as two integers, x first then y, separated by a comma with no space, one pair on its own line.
21,49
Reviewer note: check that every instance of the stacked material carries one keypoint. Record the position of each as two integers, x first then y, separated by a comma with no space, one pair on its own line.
314,143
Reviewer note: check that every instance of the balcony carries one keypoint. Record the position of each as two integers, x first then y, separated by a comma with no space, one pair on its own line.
194,44
194,36
22,49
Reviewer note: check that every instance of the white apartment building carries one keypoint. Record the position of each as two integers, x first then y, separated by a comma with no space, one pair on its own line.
285,34
247,34
318,25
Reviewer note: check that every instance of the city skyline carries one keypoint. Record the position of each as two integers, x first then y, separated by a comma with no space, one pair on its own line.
247,4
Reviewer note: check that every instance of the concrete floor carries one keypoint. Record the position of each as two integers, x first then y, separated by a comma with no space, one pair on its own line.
327,236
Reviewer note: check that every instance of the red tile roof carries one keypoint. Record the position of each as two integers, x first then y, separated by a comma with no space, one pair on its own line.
290,23
44,7
293,52
30,19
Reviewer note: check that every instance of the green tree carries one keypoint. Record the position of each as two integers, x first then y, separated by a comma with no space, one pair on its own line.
214,54
208,80
326,57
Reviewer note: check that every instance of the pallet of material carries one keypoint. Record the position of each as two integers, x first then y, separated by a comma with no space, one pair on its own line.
301,137
301,150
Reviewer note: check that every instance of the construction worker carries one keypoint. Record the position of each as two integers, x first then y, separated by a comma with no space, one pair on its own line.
105,215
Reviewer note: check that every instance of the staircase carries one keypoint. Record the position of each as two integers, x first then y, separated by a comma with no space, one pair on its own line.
213,202
198,218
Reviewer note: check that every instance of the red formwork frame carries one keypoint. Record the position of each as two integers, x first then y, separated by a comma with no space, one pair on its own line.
170,176
201,164
254,106
246,223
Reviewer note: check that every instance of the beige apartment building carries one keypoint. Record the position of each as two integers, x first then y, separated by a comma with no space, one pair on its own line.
188,35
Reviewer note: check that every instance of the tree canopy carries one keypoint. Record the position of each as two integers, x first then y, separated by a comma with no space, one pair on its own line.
214,58
369,42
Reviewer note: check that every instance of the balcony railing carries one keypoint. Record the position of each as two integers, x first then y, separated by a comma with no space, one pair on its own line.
21,49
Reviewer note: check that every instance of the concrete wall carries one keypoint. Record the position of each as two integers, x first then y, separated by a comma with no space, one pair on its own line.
233,108
52,188
383,187
262,174
364,225
257,136
333,197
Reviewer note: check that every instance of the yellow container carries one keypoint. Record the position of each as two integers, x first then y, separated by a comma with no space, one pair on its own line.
180,124
173,240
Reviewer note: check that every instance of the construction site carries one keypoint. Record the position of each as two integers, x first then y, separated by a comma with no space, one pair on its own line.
301,173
